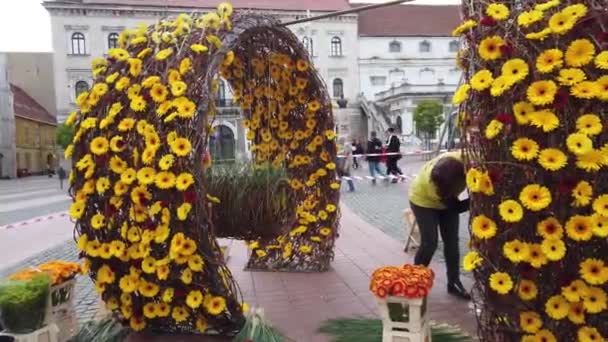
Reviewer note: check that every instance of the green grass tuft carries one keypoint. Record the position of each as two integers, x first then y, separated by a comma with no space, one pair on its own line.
370,330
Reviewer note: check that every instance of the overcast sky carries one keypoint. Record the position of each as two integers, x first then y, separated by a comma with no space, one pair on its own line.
26,24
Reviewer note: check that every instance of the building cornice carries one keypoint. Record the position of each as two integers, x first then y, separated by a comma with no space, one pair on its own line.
75,9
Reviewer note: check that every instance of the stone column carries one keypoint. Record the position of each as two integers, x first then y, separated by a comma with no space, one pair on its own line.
8,165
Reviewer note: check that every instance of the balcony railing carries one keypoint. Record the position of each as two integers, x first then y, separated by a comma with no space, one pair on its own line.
227,107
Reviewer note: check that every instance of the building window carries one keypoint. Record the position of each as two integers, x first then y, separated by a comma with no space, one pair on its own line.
394,46
338,88
308,44
221,94
425,46
80,87
336,47
399,124
396,75
454,46
378,80
78,44
222,144
112,40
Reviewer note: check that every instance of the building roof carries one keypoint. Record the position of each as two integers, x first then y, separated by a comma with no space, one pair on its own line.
26,107
284,5
409,20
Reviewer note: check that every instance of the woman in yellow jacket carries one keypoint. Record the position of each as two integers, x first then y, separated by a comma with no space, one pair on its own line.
434,200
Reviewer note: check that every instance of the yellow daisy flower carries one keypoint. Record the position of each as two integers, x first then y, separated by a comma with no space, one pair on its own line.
510,211
549,59
592,161
526,19
542,93
589,334
601,60
99,145
595,300
580,53
522,111
544,119
589,124
482,80
527,290
585,90
561,23
516,69
489,48
471,260
579,143
461,94
483,227
524,149
552,159
493,129
540,35
582,194
535,197
530,321
181,147
578,228
600,225
500,85
516,251
498,11
501,282
557,307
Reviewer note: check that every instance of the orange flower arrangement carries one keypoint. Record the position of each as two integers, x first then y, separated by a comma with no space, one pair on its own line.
410,281
60,271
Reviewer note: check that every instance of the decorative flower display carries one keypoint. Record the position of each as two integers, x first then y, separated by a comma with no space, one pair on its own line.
60,271
410,281
538,239
139,202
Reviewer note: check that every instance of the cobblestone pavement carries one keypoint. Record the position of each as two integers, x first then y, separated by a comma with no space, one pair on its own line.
382,205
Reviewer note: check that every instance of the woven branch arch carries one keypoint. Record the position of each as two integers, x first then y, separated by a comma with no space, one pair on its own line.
141,208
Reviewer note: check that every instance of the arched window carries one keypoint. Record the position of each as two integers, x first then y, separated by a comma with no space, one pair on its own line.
80,87
338,88
454,46
394,46
112,40
336,47
425,46
399,124
308,44
78,44
222,144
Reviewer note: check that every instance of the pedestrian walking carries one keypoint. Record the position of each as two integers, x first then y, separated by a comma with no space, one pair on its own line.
434,201
374,151
62,175
345,161
393,147
357,150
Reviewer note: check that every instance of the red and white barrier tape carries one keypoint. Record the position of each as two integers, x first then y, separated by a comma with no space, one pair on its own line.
34,220
411,153
388,177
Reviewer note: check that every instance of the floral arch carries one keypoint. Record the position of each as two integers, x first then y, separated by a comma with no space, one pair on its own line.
140,203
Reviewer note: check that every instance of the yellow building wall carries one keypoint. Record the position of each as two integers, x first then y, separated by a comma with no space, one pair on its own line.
35,145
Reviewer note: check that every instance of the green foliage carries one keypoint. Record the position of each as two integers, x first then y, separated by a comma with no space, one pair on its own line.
428,117
253,201
106,330
23,303
64,135
370,330
257,328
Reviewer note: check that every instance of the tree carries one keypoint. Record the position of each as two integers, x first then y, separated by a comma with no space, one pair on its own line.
64,135
428,117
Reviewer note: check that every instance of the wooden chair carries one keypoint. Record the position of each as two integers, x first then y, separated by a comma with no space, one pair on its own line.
412,234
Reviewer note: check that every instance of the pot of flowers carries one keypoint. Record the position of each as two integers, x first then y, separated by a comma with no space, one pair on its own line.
401,294
24,304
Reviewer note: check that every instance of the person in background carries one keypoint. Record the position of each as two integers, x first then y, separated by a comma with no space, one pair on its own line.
345,161
357,150
434,201
393,148
61,175
374,150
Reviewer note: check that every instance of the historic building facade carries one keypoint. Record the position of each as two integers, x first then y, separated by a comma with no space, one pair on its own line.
407,55
27,127
83,29
360,57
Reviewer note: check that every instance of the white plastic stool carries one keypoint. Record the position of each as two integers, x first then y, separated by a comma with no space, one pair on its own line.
415,326
47,333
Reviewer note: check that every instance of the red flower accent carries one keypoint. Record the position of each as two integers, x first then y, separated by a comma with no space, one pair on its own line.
110,210
561,99
566,185
164,204
148,225
190,196
602,37
495,175
487,21
505,118
506,50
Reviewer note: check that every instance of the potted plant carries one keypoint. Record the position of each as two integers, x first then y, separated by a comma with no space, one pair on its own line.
24,304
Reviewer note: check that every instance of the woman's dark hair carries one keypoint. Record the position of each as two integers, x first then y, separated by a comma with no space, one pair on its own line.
446,174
